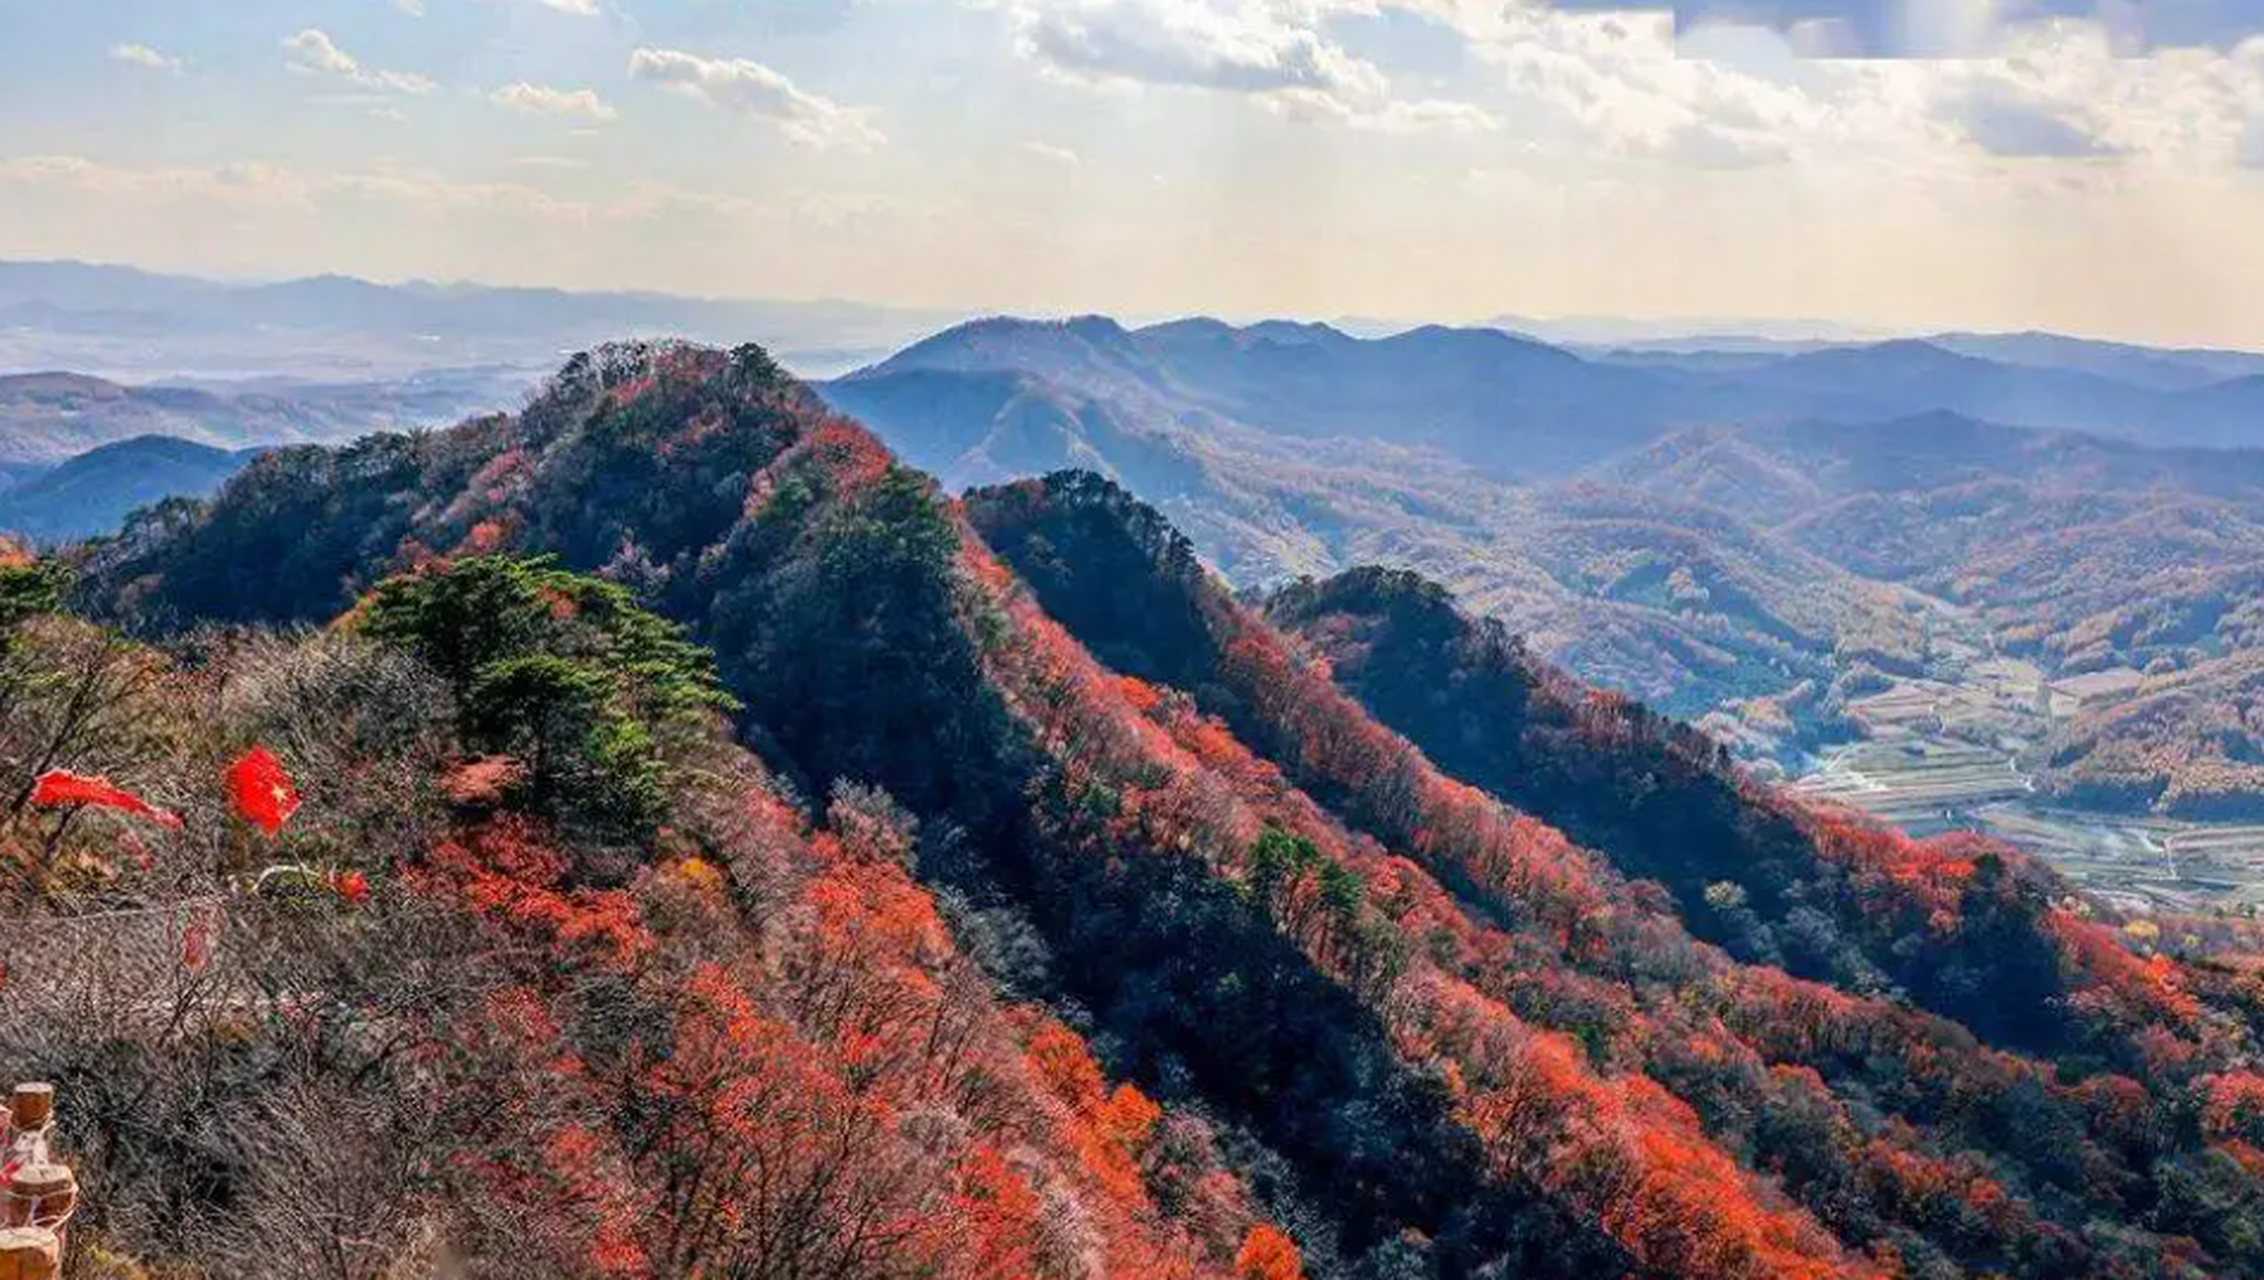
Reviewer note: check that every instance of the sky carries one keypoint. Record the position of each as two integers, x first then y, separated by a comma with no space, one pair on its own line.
2091,167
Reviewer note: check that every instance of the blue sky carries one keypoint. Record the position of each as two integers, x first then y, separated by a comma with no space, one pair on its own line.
1894,162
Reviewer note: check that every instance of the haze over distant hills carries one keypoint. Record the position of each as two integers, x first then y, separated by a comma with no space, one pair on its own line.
94,492
124,322
47,417
1525,409
1774,535
1733,527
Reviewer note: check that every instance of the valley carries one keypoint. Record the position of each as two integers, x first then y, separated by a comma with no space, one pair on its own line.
1955,750
1927,785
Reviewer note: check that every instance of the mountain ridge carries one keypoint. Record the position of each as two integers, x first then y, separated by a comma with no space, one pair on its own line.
1462,1040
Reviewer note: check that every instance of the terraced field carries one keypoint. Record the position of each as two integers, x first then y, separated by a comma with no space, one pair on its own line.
1942,754
1921,784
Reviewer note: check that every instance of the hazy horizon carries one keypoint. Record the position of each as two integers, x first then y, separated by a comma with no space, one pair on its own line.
1904,165
1570,329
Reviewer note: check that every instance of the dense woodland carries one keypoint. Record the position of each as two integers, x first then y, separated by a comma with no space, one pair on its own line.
659,834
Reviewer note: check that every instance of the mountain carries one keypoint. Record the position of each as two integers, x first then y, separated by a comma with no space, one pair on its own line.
1908,376
95,491
1523,408
47,417
2045,533
1141,932
1695,348
1666,599
2085,555
2186,743
1501,403
139,325
1687,333
2222,414
1844,514
2164,369
978,428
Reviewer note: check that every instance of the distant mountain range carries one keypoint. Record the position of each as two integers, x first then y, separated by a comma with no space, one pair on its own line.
1721,528
128,323
47,417
1526,410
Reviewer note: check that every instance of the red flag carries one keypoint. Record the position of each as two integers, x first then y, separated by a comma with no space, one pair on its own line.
61,786
260,791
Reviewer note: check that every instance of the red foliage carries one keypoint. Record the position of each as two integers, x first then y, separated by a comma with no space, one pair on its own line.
2120,988
866,976
507,873
1267,1254
852,456
1660,1182
1505,856
1112,1126
482,781
2232,1105
486,538
1000,1215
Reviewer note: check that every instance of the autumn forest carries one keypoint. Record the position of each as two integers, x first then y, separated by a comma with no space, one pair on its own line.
657,833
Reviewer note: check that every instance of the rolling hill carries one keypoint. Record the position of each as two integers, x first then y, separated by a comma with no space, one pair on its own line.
48,417
2084,554
94,492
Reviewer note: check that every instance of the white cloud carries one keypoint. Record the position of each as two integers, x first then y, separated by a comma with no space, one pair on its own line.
536,99
749,88
1427,115
313,52
1627,83
1275,53
1050,152
414,8
579,8
1712,146
141,55
1191,43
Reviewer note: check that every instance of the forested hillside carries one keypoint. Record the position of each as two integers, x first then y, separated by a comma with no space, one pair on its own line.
1759,540
712,851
